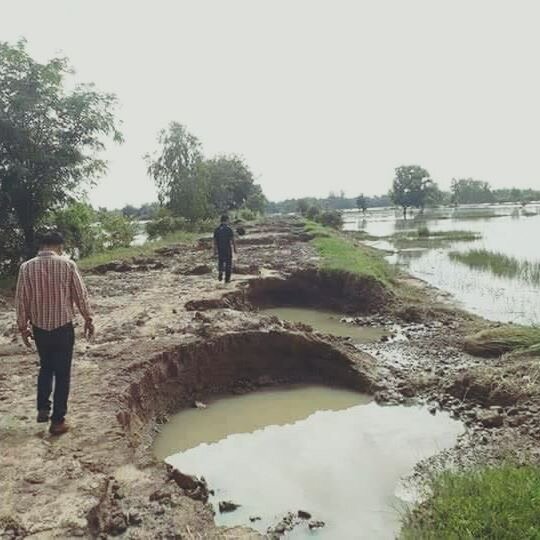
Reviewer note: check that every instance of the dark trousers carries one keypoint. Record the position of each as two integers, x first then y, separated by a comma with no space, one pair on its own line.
55,349
225,265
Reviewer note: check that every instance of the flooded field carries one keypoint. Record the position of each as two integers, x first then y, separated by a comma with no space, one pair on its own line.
326,451
328,323
496,275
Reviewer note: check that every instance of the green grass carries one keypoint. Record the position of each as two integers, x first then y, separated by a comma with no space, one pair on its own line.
145,250
499,264
504,339
496,503
340,253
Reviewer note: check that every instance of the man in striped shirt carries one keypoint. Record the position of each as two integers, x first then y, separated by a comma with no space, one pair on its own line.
48,287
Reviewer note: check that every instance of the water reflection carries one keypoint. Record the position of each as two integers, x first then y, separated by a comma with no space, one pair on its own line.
343,466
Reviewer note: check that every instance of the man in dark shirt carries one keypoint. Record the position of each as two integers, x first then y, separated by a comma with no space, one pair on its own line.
223,247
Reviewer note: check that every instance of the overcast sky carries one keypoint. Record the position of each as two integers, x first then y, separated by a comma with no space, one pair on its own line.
316,95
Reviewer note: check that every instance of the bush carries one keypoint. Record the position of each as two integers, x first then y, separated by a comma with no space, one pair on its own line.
331,218
167,225
120,231
423,232
313,212
77,223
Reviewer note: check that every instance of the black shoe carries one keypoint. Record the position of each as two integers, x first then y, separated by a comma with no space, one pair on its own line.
42,417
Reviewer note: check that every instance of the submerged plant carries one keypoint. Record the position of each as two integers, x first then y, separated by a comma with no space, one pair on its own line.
499,264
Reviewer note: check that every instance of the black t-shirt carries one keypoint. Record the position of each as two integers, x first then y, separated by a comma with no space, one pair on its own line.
223,236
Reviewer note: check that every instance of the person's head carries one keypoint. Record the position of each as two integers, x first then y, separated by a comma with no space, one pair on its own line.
224,218
51,241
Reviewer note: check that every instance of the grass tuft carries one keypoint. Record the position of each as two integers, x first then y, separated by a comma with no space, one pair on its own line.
499,264
504,339
494,503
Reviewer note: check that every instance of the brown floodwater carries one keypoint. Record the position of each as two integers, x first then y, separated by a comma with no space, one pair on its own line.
329,323
332,452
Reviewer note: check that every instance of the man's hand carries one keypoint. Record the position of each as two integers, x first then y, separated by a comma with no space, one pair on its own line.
89,329
26,335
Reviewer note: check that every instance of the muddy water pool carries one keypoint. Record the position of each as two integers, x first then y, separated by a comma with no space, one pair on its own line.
506,229
328,323
328,451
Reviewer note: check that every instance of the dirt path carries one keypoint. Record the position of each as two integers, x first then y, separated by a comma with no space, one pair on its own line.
169,336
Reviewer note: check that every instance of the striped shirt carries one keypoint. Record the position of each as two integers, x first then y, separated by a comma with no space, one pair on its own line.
48,287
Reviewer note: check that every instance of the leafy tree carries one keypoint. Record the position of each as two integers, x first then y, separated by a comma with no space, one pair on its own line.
77,222
50,138
256,201
361,203
470,191
230,183
178,172
411,187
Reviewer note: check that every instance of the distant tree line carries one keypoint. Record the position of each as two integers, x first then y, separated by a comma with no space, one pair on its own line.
332,202
412,187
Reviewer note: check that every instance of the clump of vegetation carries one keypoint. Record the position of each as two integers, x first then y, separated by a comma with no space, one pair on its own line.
504,339
197,188
499,264
331,218
499,503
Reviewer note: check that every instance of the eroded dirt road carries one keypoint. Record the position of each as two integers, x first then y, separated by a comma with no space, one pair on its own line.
169,334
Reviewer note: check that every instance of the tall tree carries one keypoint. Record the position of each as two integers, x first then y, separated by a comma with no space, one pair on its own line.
50,138
411,187
177,170
230,182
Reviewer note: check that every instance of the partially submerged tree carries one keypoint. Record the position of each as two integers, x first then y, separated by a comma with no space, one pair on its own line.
50,138
411,187
470,191
361,203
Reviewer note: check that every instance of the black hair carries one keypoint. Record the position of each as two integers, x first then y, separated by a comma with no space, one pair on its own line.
224,218
51,238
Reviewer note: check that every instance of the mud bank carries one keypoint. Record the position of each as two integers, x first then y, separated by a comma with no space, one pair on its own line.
167,336
232,363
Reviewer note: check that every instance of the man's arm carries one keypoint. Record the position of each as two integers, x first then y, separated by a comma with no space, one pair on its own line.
22,306
233,242
80,297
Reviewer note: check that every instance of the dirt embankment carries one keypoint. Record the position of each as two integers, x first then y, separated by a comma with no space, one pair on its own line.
169,334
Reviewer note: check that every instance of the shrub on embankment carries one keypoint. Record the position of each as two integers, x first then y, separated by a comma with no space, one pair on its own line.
494,342
490,503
